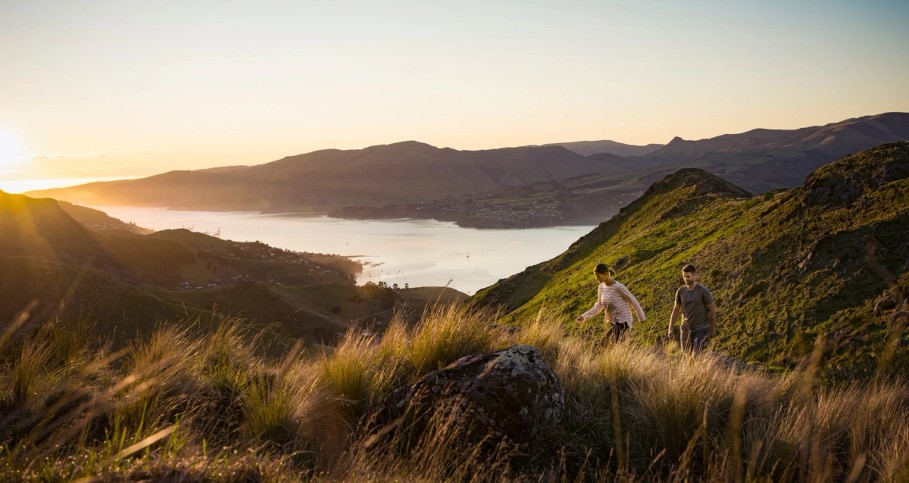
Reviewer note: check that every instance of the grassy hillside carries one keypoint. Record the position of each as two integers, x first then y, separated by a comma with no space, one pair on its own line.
828,261
183,405
41,291
40,227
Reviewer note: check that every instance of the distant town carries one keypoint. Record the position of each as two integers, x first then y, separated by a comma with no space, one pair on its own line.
560,208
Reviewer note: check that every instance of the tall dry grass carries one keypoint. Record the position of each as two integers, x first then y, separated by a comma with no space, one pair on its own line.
187,404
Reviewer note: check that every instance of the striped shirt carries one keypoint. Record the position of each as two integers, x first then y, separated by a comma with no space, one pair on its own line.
613,298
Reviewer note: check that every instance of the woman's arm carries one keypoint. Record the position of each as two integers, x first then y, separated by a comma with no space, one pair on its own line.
634,303
597,307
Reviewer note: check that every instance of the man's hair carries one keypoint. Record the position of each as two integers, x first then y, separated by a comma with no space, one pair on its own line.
603,268
690,268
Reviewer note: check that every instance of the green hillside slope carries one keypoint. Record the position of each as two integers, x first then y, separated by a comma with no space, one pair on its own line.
46,291
785,267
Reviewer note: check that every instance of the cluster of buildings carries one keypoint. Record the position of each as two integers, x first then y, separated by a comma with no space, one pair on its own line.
470,212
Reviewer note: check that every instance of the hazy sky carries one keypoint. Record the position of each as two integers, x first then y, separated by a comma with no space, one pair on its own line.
94,88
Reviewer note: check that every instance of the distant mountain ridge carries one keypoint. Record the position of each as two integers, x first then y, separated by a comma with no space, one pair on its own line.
829,260
765,159
835,138
322,180
412,172
586,148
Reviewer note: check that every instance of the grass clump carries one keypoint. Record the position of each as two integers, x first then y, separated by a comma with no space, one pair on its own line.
447,333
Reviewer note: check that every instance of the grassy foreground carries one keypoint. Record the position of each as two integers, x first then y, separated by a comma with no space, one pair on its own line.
193,405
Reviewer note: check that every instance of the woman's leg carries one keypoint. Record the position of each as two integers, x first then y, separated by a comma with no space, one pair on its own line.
617,333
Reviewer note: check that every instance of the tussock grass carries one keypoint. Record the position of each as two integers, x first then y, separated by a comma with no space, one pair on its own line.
186,404
345,370
541,333
447,333
30,370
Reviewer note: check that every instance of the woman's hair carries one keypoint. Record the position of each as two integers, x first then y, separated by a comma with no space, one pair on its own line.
603,268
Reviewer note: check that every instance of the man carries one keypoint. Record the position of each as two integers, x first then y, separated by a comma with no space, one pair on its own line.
695,302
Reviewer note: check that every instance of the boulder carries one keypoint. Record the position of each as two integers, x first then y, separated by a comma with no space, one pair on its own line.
507,396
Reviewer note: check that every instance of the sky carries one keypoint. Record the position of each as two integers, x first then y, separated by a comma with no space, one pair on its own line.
104,89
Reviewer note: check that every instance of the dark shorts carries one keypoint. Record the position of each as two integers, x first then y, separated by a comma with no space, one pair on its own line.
693,340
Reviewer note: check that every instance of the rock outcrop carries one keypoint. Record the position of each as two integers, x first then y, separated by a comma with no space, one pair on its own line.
846,181
503,397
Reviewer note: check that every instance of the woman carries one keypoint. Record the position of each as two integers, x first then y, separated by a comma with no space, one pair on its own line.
618,302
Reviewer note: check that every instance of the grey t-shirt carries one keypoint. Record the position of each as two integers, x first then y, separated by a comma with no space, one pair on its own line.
694,305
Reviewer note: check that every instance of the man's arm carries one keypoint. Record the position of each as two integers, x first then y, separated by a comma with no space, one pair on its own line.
672,318
711,319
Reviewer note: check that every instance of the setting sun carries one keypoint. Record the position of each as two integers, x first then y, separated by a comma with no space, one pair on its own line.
11,151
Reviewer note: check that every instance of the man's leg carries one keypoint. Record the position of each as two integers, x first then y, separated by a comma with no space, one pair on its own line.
685,337
698,340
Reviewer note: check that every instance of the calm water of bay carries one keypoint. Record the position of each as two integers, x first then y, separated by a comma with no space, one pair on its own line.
414,252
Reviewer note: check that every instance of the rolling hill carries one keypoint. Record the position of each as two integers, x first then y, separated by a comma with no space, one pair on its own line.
828,260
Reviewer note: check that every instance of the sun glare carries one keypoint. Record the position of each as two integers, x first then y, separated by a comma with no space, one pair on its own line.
12,152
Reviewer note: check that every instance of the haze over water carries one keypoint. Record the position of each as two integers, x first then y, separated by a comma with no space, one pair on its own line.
405,251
